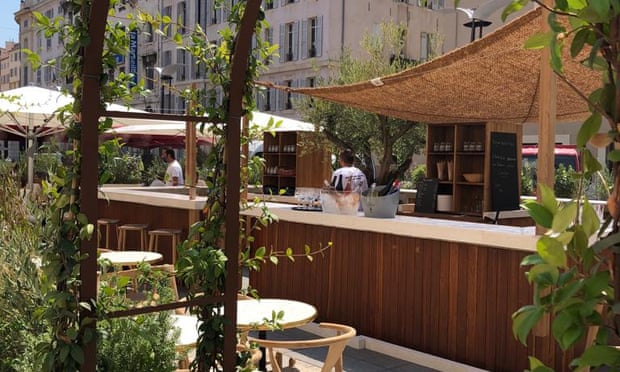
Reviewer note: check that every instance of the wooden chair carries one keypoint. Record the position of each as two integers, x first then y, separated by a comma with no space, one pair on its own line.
335,344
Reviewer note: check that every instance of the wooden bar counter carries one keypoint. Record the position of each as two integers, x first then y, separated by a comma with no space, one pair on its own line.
442,287
159,207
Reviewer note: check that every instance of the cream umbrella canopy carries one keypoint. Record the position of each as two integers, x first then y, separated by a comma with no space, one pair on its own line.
33,112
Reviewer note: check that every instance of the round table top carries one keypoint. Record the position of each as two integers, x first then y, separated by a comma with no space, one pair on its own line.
129,258
250,314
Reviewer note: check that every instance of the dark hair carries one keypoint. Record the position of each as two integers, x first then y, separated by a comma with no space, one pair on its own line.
170,152
347,156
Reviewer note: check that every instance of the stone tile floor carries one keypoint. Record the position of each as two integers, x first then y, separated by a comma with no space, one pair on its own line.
354,360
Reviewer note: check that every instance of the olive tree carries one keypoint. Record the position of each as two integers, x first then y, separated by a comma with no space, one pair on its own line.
371,136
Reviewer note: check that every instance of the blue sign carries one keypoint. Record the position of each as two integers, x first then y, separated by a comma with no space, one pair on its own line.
133,55
120,59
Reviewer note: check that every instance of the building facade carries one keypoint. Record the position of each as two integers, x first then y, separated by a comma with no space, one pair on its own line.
9,66
311,34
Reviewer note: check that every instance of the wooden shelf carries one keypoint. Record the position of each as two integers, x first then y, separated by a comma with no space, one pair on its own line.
469,198
310,167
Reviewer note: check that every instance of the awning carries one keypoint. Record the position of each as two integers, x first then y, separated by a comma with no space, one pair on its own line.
493,79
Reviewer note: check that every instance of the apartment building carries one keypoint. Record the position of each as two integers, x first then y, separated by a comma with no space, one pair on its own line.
9,66
311,34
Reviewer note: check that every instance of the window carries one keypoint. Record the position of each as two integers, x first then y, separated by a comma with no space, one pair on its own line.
310,82
271,4
148,33
311,37
432,4
166,58
202,13
289,35
25,23
424,46
148,62
182,62
167,13
182,17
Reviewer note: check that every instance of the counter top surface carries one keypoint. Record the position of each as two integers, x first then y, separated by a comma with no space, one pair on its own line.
501,236
161,196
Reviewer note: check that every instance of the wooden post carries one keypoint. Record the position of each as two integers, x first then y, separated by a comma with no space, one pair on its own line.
546,139
89,145
245,150
190,153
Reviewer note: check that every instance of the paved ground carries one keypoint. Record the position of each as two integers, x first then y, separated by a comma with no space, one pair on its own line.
355,360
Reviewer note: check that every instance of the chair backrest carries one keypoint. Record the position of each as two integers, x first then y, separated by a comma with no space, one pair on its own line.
335,343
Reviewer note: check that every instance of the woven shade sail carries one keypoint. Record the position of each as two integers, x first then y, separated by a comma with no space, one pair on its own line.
493,79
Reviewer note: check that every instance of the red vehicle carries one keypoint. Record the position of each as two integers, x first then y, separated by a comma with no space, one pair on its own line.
564,154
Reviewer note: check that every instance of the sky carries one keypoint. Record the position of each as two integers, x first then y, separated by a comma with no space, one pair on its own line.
9,30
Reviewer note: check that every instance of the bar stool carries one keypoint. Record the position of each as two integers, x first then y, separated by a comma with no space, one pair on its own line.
107,223
122,234
173,234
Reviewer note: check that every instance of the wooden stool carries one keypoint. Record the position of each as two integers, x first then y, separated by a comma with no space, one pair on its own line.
107,223
122,234
173,234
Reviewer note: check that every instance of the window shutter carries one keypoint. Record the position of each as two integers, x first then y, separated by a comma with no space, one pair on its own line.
226,10
275,3
208,4
423,46
282,2
283,50
271,99
304,39
282,98
295,50
319,36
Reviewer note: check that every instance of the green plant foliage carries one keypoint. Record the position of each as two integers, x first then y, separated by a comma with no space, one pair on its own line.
22,285
365,133
571,271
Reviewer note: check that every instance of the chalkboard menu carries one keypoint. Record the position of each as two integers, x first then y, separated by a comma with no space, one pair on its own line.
504,172
426,195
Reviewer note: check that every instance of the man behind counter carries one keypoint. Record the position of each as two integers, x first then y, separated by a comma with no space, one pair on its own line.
348,177
174,172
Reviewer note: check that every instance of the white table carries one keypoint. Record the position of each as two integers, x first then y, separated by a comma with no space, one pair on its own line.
131,258
250,316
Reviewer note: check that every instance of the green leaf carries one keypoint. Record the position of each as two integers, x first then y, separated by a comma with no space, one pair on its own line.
589,219
571,336
598,355
565,217
601,7
548,200
524,320
596,284
539,41
577,4
578,42
273,259
77,353
613,156
539,214
551,251
538,366
544,274
564,293
590,127
532,259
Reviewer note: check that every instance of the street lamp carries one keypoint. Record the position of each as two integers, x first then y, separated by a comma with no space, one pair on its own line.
478,16
165,75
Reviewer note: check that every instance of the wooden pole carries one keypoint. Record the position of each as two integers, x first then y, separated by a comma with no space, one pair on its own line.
245,150
190,153
546,139
89,146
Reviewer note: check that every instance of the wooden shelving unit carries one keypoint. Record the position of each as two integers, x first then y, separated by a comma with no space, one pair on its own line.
288,165
464,148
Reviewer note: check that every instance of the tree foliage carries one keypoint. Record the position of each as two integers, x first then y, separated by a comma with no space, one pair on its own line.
366,133
573,274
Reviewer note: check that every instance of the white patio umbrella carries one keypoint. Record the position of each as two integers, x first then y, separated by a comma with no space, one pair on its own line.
32,112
